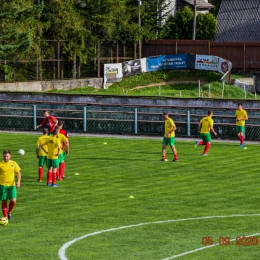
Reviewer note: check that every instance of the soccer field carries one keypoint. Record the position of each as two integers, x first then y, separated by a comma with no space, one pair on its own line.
125,204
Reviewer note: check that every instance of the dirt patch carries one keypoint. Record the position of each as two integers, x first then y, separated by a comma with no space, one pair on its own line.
169,83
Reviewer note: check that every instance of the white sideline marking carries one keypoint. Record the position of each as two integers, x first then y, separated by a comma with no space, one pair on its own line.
62,250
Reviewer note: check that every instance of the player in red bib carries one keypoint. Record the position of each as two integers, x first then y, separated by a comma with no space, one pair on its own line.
49,121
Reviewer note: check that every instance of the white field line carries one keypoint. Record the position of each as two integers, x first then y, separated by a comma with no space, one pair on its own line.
63,249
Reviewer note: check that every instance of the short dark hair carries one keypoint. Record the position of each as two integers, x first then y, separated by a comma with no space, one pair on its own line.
6,152
239,104
209,112
165,113
45,130
60,122
56,130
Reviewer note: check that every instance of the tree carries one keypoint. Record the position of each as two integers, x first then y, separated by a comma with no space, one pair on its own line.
154,14
15,20
62,22
217,4
206,25
180,26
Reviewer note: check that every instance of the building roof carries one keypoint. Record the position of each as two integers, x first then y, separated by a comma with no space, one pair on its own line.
238,21
201,4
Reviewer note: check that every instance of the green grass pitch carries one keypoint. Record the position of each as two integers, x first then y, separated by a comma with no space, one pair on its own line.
170,201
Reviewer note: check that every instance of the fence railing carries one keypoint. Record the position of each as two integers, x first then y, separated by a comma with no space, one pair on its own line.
126,120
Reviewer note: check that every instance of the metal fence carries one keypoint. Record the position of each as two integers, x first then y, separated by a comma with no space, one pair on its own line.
126,120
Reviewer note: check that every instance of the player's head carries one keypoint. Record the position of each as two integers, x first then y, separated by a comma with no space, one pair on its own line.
165,115
45,131
46,113
60,124
240,106
6,155
56,130
210,113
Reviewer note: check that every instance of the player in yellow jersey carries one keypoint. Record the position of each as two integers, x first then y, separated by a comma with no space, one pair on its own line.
41,155
54,147
8,169
241,117
168,139
64,149
205,126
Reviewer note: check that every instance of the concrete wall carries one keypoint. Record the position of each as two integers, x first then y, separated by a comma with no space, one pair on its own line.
247,83
41,86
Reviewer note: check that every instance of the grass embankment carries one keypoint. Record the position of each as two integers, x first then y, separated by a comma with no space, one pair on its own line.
179,84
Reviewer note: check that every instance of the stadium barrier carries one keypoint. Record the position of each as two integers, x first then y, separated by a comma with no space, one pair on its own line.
126,120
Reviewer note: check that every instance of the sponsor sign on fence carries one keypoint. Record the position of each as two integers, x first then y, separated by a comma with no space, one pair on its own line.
115,72
165,62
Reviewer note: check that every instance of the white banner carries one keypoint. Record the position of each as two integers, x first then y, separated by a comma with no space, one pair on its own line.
143,64
206,62
224,65
112,73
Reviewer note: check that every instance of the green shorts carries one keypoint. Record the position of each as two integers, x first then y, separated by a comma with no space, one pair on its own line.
62,157
168,141
54,163
205,137
42,161
240,129
7,192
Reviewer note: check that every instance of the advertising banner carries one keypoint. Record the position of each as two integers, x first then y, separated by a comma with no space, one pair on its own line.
112,73
132,67
143,65
163,62
224,65
206,62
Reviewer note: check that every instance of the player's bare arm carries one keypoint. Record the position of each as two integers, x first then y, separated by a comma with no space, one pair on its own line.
67,147
173,129
18,183
37,151
213,131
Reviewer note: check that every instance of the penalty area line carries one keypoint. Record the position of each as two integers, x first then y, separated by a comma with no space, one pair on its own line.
62,251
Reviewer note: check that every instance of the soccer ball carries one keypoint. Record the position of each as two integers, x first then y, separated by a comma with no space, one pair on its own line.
3,221
21,152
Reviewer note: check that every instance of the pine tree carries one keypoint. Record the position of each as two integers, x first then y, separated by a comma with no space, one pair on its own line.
63,21
154,15
15,36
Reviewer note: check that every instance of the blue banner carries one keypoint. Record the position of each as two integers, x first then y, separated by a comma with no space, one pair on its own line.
166,62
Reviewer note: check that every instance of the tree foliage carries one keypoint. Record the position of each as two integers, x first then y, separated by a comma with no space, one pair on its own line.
180,26
206,25
16,36
217,4
154,13
31,29
62,22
